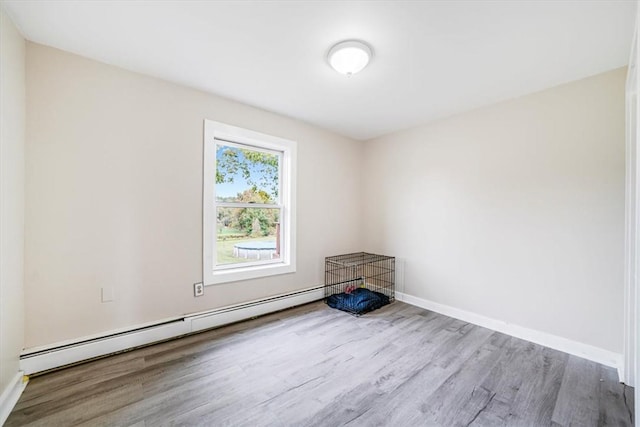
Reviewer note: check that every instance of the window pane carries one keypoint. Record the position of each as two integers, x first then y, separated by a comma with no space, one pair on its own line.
247,235
245,175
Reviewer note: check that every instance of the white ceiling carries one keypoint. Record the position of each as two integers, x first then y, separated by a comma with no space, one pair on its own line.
431,58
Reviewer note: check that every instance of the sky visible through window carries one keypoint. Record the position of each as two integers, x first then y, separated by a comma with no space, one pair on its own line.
230,189
239,170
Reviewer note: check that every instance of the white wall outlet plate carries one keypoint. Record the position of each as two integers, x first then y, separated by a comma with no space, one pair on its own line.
107,294
198,289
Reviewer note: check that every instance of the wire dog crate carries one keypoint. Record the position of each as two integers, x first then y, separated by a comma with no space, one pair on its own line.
344,273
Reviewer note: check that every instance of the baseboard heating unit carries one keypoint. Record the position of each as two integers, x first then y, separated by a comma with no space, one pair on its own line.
43,359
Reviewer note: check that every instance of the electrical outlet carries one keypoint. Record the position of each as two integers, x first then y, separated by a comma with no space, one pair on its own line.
198,289
107,294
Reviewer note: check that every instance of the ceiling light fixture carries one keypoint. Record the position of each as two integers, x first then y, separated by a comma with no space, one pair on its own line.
349,57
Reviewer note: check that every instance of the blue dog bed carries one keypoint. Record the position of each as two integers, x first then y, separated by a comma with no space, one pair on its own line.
359,301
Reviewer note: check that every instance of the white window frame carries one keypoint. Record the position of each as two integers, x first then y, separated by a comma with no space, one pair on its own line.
214,133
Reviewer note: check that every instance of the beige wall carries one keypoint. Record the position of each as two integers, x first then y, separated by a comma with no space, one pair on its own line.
513,211
114,189
12,127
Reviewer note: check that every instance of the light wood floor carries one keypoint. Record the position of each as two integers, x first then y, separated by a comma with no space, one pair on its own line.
315,366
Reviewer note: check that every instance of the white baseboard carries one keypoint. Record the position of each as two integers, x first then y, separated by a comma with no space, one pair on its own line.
62,354
43,359
10,396
586,351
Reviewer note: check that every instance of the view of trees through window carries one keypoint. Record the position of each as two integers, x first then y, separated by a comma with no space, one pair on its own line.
247,204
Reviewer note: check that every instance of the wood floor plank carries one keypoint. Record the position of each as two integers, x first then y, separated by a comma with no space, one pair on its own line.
314,366
528,381
535,399
410,395
84,408
577,402
615,399
70,381
459,398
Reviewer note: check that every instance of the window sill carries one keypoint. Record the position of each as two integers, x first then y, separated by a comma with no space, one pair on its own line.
218,277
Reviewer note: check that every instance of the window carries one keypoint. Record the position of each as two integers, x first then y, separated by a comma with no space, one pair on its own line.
248,204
